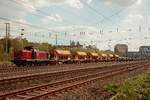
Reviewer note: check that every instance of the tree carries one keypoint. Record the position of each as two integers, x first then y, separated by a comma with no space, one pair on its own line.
16,44
78,44
43,46
1,50
8,44
72,43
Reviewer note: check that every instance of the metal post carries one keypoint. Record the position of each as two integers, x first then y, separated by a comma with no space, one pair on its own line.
56,39
7,36
8,43
6,39
109,45
70,41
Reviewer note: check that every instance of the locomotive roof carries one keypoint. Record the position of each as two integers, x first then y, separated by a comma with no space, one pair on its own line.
25,50
28,47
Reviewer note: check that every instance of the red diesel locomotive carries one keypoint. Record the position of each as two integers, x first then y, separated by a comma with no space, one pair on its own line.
30,56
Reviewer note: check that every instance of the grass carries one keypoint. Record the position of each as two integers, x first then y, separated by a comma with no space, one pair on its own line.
134,88
5,62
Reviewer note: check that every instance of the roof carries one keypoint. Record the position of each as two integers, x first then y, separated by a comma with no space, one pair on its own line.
116,55
25,51
124,45
28,47
110,55
63,52
144,46
41,51
81,53
103,55
94,54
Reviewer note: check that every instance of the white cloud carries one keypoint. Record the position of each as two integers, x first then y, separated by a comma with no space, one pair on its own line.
123,3
135,16
74,3
89,1
108,2
132,20
40,3
26,5
55,18
13,11
20,9
148,17
139,2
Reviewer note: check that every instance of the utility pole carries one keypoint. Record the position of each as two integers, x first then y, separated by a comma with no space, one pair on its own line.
70,40
7,37
56,39
109,45
140,28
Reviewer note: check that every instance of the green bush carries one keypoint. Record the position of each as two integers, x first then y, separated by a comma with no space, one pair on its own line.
112,88
136,88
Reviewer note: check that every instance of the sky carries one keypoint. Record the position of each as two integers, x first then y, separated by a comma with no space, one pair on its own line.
103,23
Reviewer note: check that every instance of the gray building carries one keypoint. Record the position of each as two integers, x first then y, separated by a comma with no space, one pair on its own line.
144,51
133,54
121,49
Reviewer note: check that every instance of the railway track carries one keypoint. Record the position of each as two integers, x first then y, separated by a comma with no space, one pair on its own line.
12,71
23,81
43,90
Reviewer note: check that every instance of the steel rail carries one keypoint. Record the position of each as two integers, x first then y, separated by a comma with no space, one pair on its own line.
7,84
92,77
22,78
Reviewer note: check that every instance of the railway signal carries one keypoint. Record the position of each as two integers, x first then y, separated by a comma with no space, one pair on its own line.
22,30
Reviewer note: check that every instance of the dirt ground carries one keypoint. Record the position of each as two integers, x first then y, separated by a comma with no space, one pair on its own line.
95,91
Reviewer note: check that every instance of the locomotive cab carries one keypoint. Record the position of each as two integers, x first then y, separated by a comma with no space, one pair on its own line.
30,56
